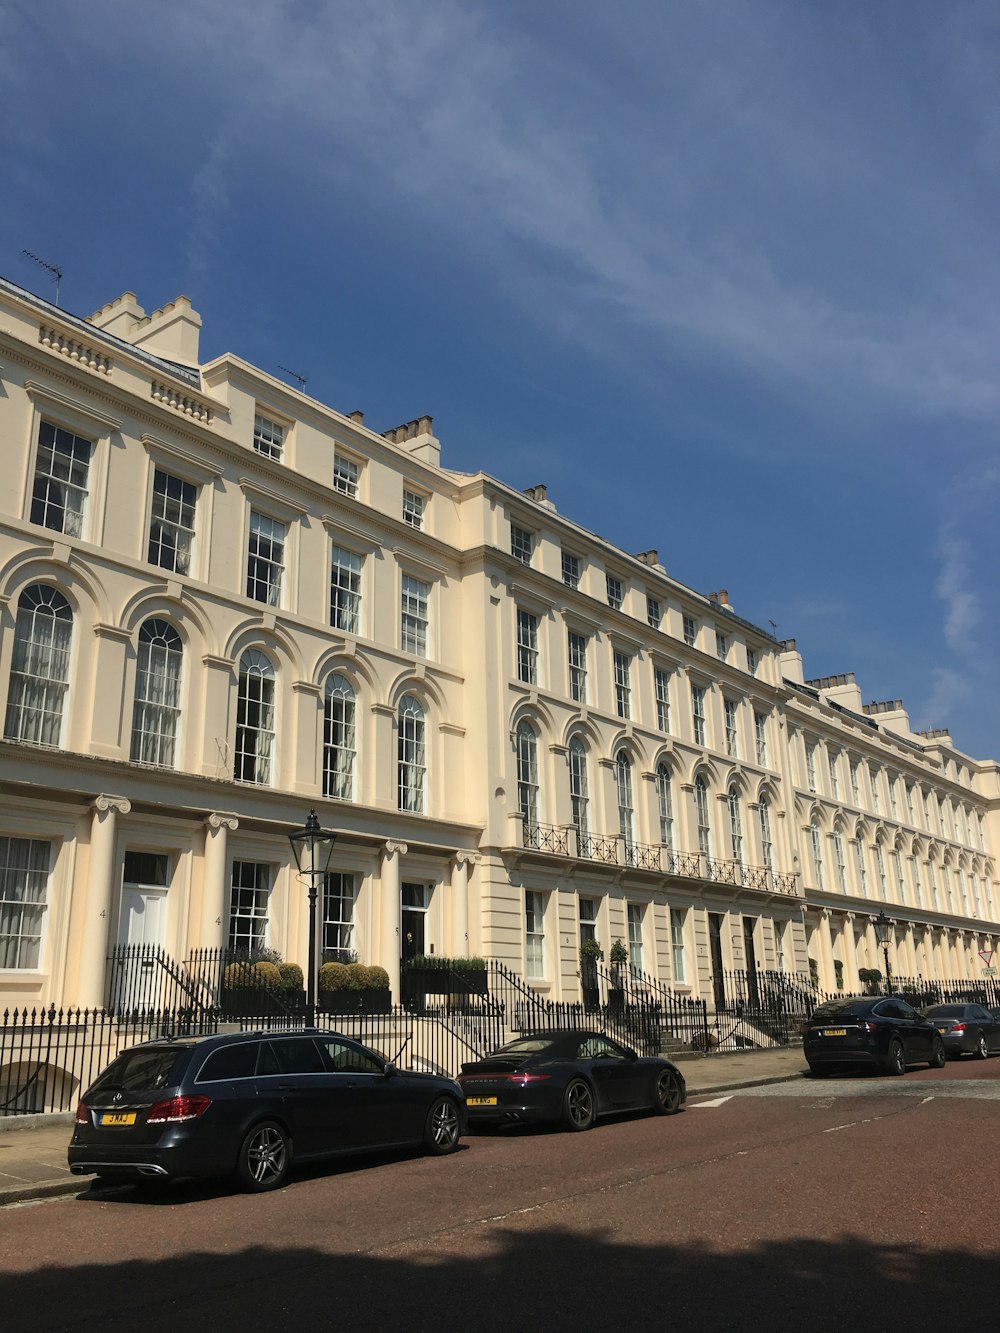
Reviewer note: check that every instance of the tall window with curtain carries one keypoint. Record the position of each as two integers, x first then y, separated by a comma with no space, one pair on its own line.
735,825
626,801
24,884
766,845
157,708
255,719
411,755
665,806
39,677
339,739
527,774
701,812
579,796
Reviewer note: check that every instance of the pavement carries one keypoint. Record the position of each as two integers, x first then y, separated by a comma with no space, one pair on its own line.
33,1147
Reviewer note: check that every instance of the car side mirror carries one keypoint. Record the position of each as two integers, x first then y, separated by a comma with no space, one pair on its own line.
390,1071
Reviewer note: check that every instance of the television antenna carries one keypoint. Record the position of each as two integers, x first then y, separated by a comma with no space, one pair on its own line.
302,379
53,269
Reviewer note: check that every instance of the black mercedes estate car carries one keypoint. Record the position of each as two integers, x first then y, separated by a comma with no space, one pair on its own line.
249,1104
882,1031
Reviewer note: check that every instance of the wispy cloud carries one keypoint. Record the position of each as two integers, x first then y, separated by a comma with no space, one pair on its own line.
963,610
728,210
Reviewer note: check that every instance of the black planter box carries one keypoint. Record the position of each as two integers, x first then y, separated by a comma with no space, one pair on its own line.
355,1001
445,981
251,1002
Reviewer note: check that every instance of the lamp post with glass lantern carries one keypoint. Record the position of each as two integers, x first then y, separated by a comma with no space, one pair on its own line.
312,848
883,927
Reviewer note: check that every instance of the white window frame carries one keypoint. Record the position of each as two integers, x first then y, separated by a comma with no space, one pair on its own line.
414,507
24,900
346,584
528,786
41,666
268,437
411,755
678,928
731,709
248,903
69,479
346,475
665,805
522,544
534,935
623,684
527,647
576,648
698,714
654,611
156,703
175,522
255,765
414,613
571,569
579,788
616,591
340,738
760,736
661,690
267,546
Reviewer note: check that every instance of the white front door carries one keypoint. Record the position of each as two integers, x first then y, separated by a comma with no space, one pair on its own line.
144,915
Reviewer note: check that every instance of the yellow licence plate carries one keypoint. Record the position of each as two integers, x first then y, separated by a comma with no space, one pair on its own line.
481,1101
835,1032
117,1118
942,1029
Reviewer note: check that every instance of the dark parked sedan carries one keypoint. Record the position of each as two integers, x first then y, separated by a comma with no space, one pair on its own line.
967,1029
883,1031
570,1078
249,1104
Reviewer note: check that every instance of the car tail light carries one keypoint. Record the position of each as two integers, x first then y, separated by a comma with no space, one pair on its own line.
525,1079
958,1027
82,1115
176,1109
865,1026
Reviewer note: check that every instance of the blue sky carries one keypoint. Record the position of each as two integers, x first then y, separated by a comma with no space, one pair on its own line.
724,276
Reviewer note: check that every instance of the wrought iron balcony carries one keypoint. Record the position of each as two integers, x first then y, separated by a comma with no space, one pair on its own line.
569,841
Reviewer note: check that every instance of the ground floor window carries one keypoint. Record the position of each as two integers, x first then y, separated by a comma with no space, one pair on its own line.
534,934
24,882
339,891
677,923
248,899
635,935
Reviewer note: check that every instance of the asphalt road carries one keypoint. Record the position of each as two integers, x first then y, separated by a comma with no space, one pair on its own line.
830,1204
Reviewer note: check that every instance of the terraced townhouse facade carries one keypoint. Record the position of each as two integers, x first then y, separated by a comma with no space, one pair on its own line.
223,603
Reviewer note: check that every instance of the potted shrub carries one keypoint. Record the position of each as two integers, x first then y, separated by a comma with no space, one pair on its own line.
870,978
616,994
437,974
292,986
591,954
353,988
251,989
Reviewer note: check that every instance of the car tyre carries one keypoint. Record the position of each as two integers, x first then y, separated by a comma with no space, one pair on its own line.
895,1060
265,1158
938,1057
578,1105
982,1048
667,1096
444,1127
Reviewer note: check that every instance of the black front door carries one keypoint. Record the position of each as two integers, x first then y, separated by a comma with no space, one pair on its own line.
753,993
414,921
715,947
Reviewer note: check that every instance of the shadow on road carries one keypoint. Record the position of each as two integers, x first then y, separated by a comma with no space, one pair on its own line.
548,1279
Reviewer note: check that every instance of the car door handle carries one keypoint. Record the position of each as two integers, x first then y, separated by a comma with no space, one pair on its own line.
284,1087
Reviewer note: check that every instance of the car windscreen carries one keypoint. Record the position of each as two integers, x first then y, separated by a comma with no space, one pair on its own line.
841,1009
946,1011
526,1046
145,1070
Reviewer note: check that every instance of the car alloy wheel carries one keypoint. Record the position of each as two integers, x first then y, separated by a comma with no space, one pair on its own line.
578,1105
937,1060
982,1050
443,1129
264,1158
896,1059
668,1093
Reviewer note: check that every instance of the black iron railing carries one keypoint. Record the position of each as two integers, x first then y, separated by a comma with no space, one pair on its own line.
618,850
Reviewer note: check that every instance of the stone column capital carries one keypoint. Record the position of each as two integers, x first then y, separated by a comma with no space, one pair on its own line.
119,805
218,819
467,859
393,847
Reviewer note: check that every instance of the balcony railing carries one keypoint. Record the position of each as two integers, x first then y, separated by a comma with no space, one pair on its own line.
569,841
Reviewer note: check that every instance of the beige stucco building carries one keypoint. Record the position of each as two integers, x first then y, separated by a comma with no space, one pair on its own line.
223,603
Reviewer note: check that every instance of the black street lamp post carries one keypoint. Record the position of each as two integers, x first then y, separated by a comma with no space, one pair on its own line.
312,848
883,927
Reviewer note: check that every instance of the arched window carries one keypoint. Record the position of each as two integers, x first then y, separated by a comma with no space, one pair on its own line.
255,719
157,708
880,872
665,805
579,795
411,755
766,845
839,861
735,825
817,854
932,882
527,774
339,740
626,804
701,811
897,862
39,675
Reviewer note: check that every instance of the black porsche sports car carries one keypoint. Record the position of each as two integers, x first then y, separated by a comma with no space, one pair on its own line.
569,1078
